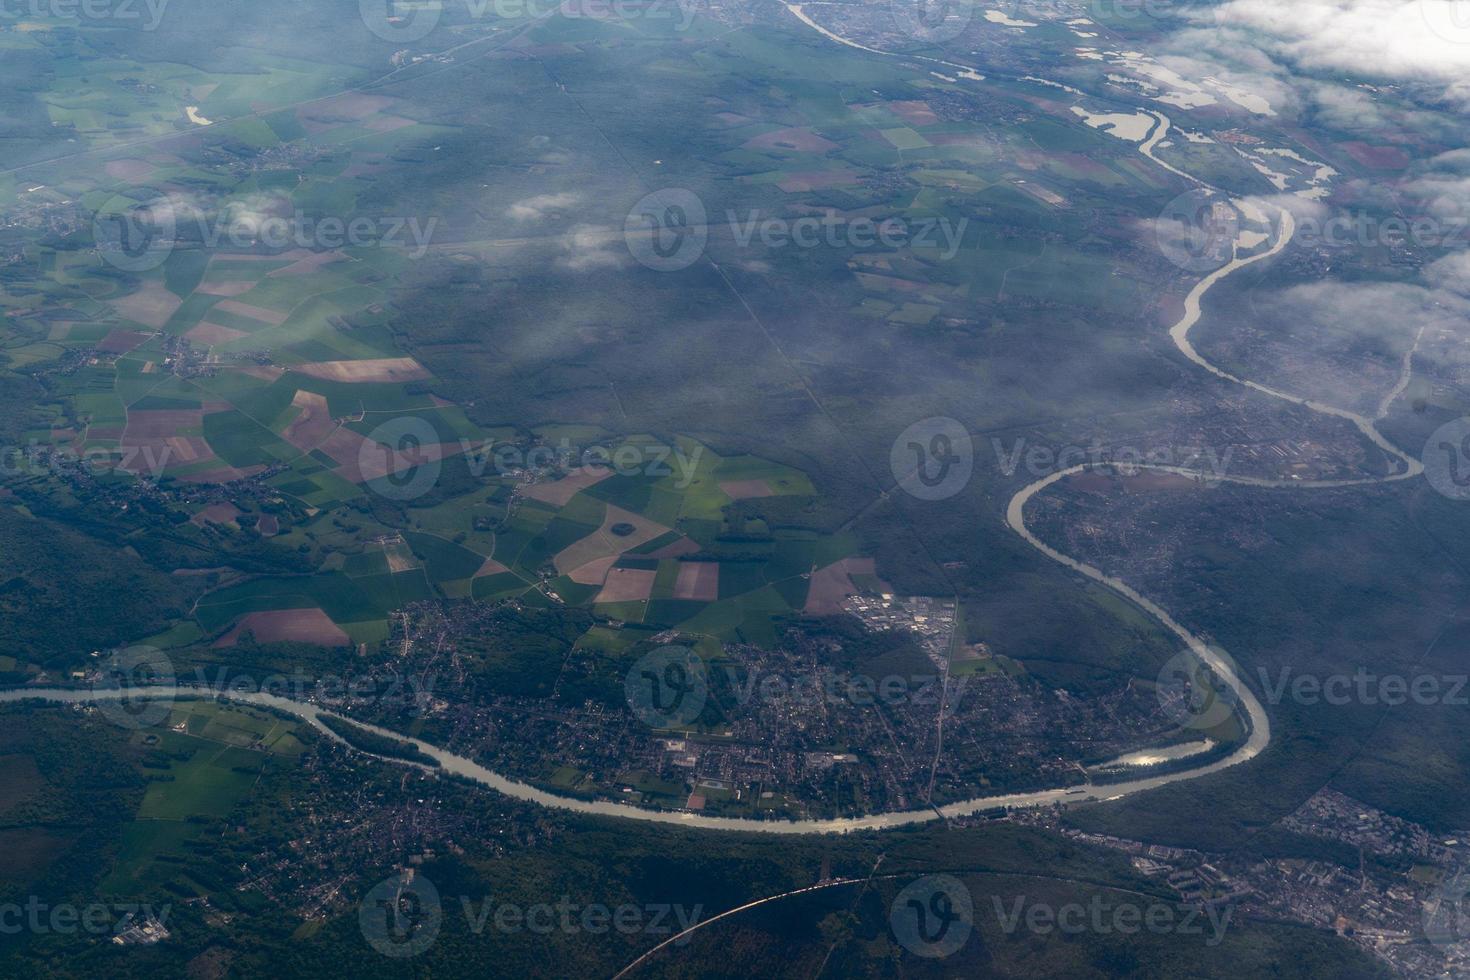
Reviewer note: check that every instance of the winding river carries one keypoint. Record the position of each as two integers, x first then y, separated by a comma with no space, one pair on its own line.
469,769
1260,726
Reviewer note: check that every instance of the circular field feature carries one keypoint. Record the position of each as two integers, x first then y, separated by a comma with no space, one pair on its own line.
622,530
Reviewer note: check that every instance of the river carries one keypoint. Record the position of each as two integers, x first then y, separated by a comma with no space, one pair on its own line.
1260,725
468,768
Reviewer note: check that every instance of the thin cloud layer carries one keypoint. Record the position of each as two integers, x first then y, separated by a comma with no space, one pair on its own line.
1397,39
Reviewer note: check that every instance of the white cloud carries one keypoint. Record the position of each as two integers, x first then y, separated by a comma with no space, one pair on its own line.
245,216
1452,273
1400,39
592,247
1443,189
541,206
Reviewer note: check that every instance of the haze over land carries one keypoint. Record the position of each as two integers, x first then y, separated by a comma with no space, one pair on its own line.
871,487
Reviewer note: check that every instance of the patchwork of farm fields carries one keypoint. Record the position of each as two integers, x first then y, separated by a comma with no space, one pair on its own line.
314,304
